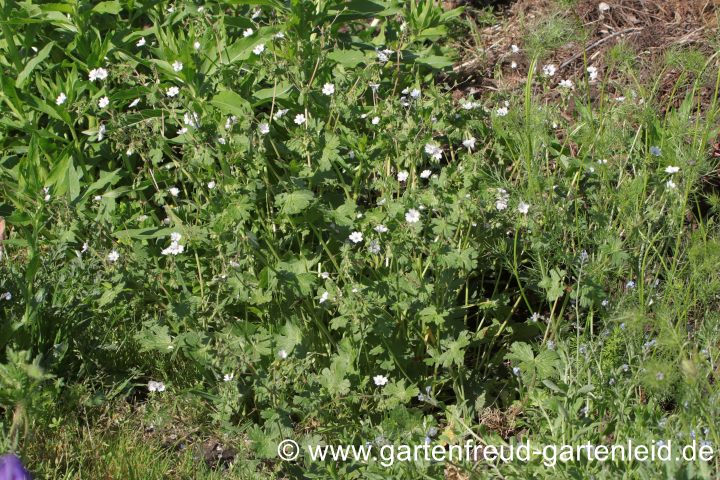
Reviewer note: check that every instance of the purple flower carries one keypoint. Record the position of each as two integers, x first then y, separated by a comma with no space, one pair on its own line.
11,468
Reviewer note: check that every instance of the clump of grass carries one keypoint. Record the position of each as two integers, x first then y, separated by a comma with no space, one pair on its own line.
549,33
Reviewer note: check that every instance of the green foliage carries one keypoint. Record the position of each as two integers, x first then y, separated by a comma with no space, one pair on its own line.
273,216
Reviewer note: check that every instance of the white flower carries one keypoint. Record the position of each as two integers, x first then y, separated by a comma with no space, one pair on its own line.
323,297
433,150
259,48
6,296
104,102
325,275
356,237
248,32
374,86
140,42
374,247
173,91
415,93
282,354
279,35
191,119
670,169
154,386
380,228
412,216
566,84
134,103
101,133
196,45
375,120
97,74
469,143
174,191
515,48
513,65
228,377
60,99
549,70
670,184
502,111
177,65
523,208
231,120
175,248
592,72
299,119
402,176
380,380
328,89
501,199
280,113
425,174
113,256
182,131
382,57
264,128
175,236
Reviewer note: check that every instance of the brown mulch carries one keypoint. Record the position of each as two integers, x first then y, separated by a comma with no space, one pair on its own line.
649,27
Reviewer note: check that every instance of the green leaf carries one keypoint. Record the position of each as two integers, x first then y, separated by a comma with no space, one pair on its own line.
553,284
280,91
113,7
542,367
435,61
242,49
154,338
294,202
144,233
32,64
347,58
397,393
231,103
521,352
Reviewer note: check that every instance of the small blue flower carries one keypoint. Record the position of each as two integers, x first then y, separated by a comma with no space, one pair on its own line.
655,151
516,370
11,468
